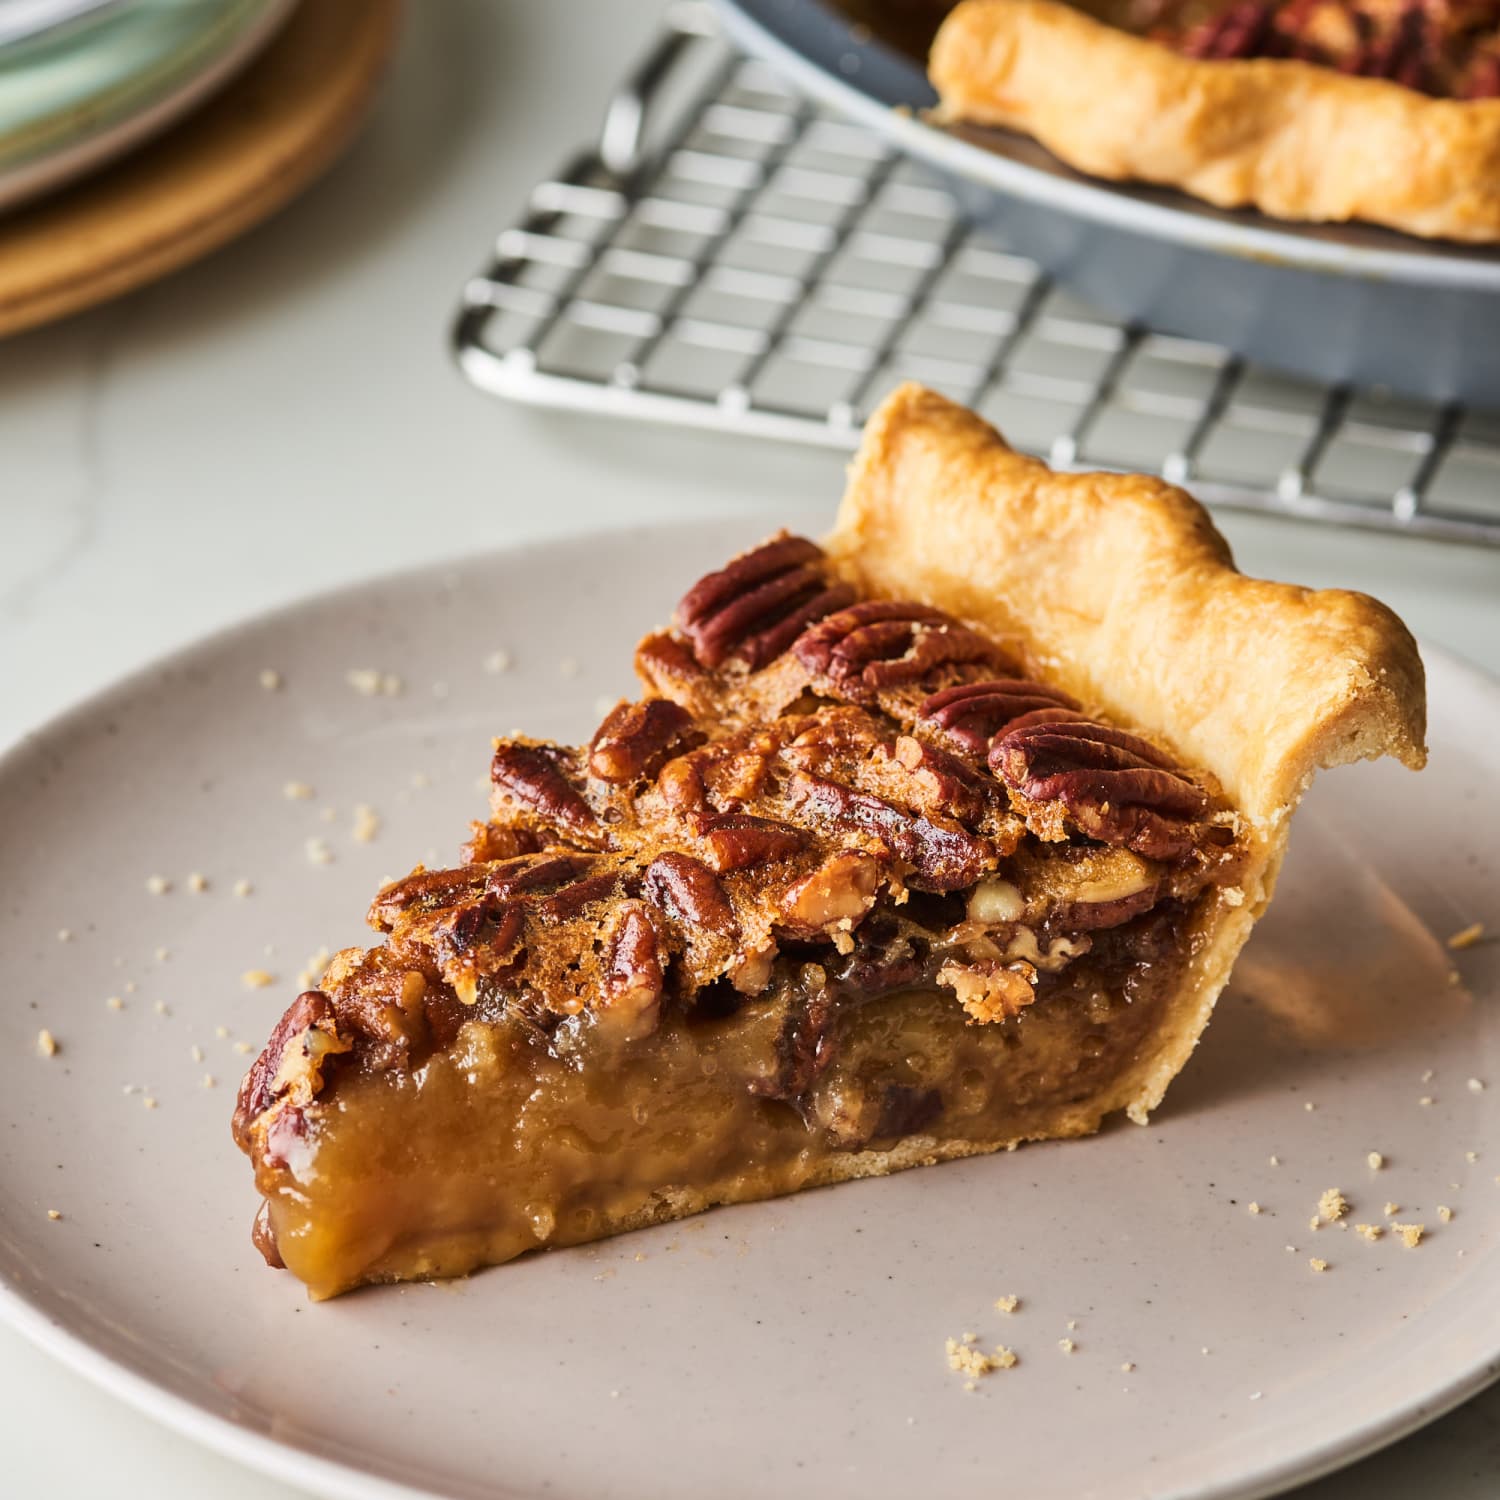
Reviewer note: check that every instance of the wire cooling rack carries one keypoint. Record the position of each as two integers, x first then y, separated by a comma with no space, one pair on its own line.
728,255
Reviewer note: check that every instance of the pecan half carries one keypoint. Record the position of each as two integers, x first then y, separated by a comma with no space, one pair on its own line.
970,715
736,841
689,892
943,781
638,739
943,859
1116,787
546,873
631,986
754,608
531,776
883,643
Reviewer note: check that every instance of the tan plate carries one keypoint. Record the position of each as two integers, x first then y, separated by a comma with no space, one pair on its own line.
225,168
792,1348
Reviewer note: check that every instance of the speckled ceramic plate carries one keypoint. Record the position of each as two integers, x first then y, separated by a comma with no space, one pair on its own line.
791,1348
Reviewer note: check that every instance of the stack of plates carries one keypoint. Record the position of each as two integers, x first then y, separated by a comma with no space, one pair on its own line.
83,81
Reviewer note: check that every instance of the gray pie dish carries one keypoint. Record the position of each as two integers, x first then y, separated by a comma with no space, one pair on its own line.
1341,304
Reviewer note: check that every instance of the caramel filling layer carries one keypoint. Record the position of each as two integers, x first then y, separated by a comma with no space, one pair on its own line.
505,1142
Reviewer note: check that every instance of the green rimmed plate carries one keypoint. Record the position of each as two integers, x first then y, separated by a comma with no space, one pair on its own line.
77,96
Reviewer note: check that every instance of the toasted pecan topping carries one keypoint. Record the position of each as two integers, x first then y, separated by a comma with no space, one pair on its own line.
531,776
638,739
755,607
882,644
1116,787
687,890
970,715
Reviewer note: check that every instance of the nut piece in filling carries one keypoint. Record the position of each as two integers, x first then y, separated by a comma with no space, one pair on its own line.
886,867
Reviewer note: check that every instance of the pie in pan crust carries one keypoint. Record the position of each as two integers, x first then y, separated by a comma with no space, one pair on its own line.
1384,111
935,839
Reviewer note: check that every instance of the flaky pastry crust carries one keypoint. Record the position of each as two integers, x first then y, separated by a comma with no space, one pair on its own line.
1295,140
1118,588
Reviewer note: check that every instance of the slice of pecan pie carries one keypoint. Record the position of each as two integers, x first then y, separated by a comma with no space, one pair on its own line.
932,840
1387,111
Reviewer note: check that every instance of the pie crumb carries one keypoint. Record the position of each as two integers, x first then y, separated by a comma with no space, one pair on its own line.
1476,1085
366,822
270,679
160,1007
243,888
1471,1157
53,1213
1309,1106
1428,1075
64,935
196,1053
1392,1208
197,882
1318,1265
1275,1161
243,1048
1127,1367
318,852
149,1101
1066,1345
158,885
297,791
1315,1222
209,1080
222,1032
46,1043
497,662
1410,1235
569,667
1254,1208
1233,896
1466,937
257,979
1371,1232
1376,1161
1004,1358
964,1359
1445,1213
115,1003
1007,1304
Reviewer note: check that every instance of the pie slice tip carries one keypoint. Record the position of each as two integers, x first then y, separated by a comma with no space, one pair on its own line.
931,840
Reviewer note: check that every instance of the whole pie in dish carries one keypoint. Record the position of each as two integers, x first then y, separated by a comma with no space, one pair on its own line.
1386,111
936,838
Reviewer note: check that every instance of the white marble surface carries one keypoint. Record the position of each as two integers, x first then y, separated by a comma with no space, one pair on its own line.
284,417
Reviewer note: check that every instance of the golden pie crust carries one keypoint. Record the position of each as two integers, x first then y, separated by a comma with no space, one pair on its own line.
803,913
1295,140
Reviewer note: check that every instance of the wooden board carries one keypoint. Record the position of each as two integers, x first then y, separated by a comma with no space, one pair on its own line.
224,168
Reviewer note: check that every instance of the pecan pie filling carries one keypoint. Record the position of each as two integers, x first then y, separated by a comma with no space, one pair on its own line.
1445,48
847,891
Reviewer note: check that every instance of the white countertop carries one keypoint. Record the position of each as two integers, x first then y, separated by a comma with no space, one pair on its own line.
284,417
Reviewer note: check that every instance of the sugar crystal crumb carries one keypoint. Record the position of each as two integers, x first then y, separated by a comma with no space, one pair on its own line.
257,979
1410,1235
1466,937
46,1043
